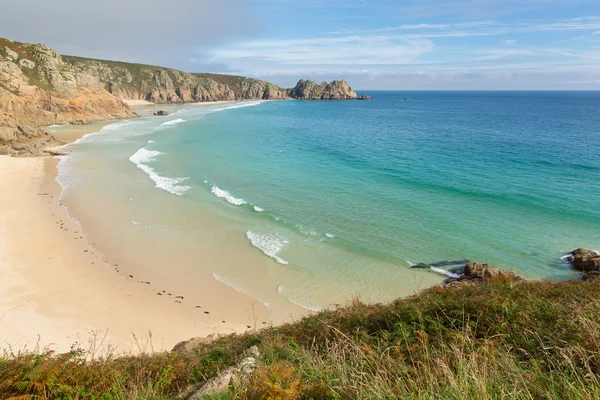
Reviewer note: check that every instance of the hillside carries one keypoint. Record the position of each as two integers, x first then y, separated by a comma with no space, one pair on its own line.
39,87
502,338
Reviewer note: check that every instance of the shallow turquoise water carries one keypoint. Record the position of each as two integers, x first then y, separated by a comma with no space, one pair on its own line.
336,188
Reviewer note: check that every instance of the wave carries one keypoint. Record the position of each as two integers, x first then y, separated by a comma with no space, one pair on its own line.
306,304
444,272
271,245
252,104
329,235
224,194
258,209
229,282
173,122
167,184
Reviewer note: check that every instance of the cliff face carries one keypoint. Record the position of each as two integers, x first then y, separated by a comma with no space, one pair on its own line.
165,85
37,89
335,90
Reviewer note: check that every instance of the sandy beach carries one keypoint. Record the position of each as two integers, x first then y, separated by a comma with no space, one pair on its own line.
57,291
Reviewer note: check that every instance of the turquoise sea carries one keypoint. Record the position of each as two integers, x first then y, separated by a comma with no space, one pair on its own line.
344,196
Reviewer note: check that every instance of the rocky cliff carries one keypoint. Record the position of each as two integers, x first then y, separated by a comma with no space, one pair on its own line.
37,89
166,85
310,90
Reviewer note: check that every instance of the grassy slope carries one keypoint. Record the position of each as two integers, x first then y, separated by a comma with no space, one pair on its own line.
495,340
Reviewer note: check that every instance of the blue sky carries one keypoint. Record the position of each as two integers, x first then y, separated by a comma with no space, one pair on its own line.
428,44
464,44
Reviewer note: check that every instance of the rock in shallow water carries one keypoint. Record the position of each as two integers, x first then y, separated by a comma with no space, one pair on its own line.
585,260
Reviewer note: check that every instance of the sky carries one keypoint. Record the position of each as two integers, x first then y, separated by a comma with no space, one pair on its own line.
377,45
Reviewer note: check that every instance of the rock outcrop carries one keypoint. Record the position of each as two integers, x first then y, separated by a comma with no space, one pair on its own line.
475,272
310,90
38,89
365,97
584,260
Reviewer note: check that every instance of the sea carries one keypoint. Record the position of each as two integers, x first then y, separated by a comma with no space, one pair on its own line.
309,204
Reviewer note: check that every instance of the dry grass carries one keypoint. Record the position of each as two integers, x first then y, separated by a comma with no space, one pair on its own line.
497,340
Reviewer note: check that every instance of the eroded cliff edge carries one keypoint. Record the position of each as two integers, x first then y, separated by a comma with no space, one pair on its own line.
39,87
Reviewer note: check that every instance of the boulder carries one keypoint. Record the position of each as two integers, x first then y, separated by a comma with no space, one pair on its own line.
232,376
365,97
585,260
475,272
193,343
25,63
161,113
12,55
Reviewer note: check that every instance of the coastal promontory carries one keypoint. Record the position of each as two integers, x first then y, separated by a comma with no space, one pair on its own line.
39,87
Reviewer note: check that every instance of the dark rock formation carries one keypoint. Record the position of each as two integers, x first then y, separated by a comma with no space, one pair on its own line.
584,260
365,97
161,113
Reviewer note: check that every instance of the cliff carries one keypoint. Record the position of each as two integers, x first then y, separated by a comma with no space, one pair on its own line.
310,90
37,89
166,85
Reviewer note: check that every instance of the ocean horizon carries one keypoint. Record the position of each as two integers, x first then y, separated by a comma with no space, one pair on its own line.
304,204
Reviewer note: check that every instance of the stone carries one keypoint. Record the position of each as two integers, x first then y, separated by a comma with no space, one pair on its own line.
193,343
232,376
585,260
162,113
25,63
365,97
12,55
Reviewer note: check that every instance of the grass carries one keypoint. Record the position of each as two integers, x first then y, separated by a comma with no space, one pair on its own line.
500,339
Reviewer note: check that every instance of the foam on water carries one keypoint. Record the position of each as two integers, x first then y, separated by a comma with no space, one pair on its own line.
224,194
234,106
167,184
271,245
258,209
329,235
173,122
444,272
230,282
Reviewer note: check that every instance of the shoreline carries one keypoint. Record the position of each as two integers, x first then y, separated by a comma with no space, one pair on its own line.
59,293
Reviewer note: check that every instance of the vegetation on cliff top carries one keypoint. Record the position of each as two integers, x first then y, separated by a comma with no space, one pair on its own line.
498,339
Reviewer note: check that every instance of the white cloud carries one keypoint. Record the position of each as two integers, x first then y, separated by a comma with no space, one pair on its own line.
349,50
